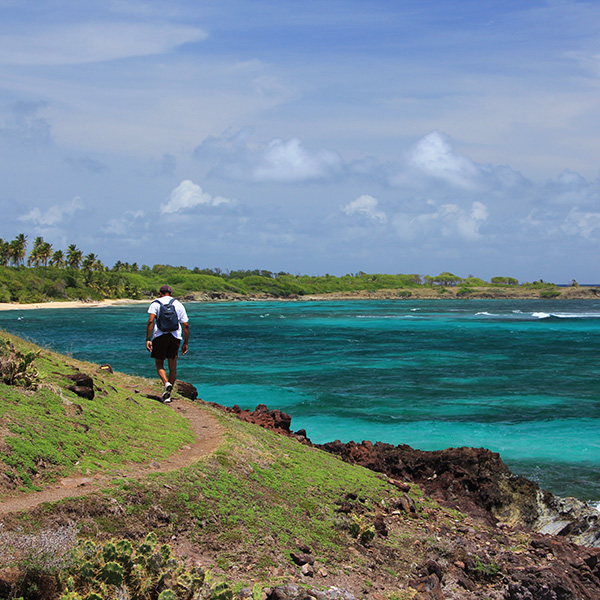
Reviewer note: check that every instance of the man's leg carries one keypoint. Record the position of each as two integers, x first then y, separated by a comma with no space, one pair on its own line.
172,370
160,369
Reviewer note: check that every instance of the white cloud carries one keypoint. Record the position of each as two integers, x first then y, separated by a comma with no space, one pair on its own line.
188,195
93,42
290,161
432,164
55,215
448,221
434,156
365,205
235,156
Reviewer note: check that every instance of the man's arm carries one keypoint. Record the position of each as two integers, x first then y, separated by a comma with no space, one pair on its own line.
186,337
149,328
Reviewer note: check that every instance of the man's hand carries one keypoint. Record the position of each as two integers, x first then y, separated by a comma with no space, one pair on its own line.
186,336
149,329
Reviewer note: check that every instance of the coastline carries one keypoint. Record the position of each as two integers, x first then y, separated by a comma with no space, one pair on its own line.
70,304
422,293
417,293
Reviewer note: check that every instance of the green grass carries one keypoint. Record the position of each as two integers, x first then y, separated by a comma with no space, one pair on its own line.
260,487
239,512
258,497
51,432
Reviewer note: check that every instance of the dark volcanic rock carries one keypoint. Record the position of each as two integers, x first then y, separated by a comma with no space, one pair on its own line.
476,481
428,588
83,387
187,390
81,380
274,420
82,391
465,477
302,559
540,585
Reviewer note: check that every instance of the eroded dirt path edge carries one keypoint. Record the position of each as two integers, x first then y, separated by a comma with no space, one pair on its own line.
207,432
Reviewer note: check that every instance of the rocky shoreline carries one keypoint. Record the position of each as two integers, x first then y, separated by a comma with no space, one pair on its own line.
546,547
473,480
419,293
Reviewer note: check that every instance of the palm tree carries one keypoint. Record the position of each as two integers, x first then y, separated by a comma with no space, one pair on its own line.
12,252
45,253
34,255
88,262
18,249
21,241
37,242
73,256
4,252
58,259
33,258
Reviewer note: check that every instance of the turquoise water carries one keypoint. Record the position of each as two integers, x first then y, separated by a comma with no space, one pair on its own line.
519,377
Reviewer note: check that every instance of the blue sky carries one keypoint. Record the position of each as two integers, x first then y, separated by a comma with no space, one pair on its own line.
306,137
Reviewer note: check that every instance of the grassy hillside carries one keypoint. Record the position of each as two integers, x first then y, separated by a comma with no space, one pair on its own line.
258,512
240,511
48,431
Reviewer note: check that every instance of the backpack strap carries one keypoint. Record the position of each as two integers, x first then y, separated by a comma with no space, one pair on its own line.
168,303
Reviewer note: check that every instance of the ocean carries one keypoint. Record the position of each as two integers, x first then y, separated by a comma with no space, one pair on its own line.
520,377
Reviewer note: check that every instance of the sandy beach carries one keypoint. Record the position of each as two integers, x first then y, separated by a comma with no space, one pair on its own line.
70,304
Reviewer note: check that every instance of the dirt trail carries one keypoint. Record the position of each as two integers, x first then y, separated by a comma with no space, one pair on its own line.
208,434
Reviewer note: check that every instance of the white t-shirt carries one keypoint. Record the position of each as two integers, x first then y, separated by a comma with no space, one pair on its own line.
181,315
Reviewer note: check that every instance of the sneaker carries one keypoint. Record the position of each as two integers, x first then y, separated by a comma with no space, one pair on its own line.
166,397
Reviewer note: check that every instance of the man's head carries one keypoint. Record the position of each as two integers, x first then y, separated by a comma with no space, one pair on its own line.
165,290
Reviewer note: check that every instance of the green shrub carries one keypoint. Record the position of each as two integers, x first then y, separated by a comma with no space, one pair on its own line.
119,569
549,294
361,529
464,291
17,368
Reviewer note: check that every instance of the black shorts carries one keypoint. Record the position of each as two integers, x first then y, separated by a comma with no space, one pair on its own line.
165,346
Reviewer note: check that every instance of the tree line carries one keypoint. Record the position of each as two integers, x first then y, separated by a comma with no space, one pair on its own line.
45,273
13,253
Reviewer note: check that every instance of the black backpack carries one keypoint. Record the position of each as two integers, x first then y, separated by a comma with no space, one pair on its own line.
167,319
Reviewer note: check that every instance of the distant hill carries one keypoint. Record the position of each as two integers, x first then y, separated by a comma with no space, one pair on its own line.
20,284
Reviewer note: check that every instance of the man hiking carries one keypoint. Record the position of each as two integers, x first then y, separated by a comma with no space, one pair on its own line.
166,321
